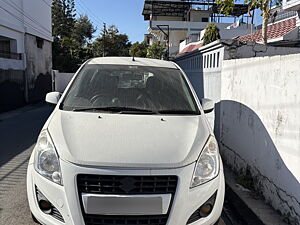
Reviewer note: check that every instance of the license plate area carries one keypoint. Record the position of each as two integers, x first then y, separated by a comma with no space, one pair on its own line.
126,204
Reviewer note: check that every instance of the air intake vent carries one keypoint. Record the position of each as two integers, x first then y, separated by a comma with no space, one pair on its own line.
54,211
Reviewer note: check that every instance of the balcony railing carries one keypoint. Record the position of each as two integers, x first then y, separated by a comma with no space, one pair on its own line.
10,55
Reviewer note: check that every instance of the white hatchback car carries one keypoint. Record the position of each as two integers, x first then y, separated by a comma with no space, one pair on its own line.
128,143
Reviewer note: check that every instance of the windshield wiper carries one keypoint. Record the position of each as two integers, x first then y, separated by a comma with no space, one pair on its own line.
176,111
129,110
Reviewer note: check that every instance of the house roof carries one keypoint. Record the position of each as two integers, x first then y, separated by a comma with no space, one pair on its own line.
190,48
274,31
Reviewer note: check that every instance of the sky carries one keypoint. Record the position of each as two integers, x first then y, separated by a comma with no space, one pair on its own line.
125,14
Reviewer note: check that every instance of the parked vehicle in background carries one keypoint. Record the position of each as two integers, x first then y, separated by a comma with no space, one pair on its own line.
128,143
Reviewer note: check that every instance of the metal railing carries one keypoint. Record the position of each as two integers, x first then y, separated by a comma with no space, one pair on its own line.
10,55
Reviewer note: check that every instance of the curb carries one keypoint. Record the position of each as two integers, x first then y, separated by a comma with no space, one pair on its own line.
246,203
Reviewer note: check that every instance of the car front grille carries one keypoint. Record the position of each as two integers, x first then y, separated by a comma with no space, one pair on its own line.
103,184
126,185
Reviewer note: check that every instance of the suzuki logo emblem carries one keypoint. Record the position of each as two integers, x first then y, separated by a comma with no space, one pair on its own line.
127,184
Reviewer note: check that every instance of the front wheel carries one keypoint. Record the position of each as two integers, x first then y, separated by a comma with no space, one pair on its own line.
217,223
34,219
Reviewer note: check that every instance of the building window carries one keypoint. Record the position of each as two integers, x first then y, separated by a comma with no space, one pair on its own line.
205,19
204,62
210,64
5,46
39,42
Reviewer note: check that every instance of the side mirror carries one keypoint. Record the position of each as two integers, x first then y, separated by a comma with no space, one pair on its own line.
208,105
53,97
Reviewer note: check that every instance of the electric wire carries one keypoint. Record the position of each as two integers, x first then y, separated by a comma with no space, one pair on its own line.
16,7
22,21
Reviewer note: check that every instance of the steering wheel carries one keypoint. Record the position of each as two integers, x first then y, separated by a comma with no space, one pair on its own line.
144,100
97,97
104,99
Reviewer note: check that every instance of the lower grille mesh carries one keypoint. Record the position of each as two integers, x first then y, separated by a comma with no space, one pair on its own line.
121,220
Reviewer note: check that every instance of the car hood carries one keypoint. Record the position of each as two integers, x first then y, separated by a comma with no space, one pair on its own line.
128,141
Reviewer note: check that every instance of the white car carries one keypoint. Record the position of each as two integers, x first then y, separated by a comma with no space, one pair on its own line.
128,143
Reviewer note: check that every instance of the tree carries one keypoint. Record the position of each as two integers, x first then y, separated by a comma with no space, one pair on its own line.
71,36
63,18
63,21
212,33
227,6
83,30
139,49
111,43
156,51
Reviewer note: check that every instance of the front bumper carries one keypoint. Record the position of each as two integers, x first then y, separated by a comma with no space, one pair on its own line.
66,198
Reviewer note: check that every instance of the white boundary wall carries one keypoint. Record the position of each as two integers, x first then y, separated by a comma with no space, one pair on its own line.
260,126
61,80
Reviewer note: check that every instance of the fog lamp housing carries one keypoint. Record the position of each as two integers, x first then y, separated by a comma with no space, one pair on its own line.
204,210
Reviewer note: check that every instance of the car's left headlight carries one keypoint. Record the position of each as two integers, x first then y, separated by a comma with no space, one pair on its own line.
208,164
46,160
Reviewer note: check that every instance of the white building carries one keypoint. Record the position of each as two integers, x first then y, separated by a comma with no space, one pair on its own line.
292,5
177,21
25,50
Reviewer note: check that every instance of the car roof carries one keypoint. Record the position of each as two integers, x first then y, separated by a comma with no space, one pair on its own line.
130,62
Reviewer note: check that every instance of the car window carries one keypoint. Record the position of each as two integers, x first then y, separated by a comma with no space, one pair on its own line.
162,90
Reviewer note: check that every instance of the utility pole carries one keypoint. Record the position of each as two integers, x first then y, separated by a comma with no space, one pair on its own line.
104,36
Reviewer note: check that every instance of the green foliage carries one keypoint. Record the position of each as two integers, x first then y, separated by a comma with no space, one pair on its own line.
73,40
111,43
63,17
227,6
212,33
71,36
156,51
83,30
139,49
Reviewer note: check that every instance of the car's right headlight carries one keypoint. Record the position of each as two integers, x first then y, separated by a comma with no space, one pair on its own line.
46,160
208,164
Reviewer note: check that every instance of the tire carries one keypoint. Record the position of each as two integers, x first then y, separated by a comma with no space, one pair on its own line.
216,223
34,219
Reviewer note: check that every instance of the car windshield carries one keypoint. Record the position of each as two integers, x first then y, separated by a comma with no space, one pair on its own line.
122,88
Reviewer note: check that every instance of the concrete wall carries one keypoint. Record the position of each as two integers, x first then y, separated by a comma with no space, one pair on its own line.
260,126
257,120
61,80
12,88
39,68
33,17
203,69
11,64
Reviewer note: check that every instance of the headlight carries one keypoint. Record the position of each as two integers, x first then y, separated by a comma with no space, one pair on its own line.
46,160
208,165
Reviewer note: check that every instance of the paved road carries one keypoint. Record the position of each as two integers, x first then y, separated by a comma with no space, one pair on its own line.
18,133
